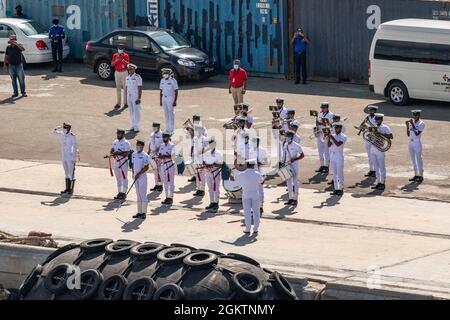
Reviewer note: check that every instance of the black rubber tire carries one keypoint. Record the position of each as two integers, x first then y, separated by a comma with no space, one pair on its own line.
113,288
247,285
90,282
217,253
201,260
141,289
104,70
170,291
56,280
282,286
60,251
94,246
30,281
171,256
146,251
181,245
401,98
243,258
120,248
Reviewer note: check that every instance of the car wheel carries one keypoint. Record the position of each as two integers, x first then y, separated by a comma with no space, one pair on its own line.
104,70
398,94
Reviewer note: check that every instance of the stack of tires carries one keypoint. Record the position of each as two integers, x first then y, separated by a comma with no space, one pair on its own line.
101,269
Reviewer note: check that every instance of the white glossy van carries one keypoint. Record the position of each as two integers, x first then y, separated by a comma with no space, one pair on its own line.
410,59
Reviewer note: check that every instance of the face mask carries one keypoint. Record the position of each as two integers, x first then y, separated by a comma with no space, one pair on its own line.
140,149
212,146
236,66
65,131
166,76
155,130
120,51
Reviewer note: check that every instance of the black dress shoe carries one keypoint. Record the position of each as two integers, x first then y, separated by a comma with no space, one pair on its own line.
199,193
167,202
414,179
143,216
193,179
116,107
261,212
370,174
382,187
294,203
376,187
326,170
137,216
419,179
330,183
320,170
211,205
15,95
160,189
118,197
290,202
125,106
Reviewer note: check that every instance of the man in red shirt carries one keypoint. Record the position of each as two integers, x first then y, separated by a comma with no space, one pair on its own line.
120,61
238,82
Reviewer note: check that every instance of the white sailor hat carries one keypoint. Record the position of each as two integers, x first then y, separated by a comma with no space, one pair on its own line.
132,66
379,115
251,161
241,118
167,134
295,124
416,112
324,105
338,124
372,108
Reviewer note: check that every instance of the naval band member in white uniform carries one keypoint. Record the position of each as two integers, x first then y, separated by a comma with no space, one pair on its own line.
153,150
292,154
141,164
379,157
133,83
213,161
336,143
324,119
167,157
415,129
120,152
168,98
69,152
371,122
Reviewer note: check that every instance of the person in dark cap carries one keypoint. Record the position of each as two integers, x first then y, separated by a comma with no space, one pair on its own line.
281,108
300,43
13,63
141,164
69,151
415,128
120,152
19,13
57,36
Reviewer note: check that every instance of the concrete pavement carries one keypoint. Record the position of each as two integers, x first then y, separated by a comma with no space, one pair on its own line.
390,244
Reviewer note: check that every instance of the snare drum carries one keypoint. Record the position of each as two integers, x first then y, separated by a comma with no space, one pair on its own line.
233,189
280,176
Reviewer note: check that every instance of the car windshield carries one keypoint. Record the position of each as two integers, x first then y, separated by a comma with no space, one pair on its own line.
32,28
170,41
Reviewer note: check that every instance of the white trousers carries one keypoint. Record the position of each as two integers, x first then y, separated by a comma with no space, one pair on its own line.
369,156
379,160
251,209
213,179
69,166
121,173
337,167
141,193
293,183
201,180
167,173
135,114
324,152
156,167
120,77
169,113
261,191
415,151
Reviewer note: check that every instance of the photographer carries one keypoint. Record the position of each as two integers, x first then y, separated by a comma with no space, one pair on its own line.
13,63
300,43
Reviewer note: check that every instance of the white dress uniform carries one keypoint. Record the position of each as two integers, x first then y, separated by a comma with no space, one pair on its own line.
292,151
140,160
250,180
261,156
213,175
322,143
379,158
199,145
168,165
415,146
133,82
239,137
337,161
121,164
69,150
372,122
283,113
168,88
156,140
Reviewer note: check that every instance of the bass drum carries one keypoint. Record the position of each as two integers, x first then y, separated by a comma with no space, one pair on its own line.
277,177
233,189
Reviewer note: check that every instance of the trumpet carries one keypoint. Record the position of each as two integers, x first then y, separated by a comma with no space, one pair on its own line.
363,127
188,125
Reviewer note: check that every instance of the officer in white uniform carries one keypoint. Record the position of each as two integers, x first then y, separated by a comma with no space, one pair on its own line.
336,143
167,157
241,134
292,153
281,108
415,129
213,161
325,119
168,98
141,164
379,157
69,151
294,126
262,160
153,150
134,94
371,122
250,180
200,144
197,121
120,152
289,119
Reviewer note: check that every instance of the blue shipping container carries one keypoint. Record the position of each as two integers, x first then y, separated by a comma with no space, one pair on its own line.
250,30
84,20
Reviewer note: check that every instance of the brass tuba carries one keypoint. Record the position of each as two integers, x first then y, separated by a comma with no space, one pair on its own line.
372,136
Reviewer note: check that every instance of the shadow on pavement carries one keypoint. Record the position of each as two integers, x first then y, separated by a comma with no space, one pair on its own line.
57,202
411,187
242,241
132,226
330,202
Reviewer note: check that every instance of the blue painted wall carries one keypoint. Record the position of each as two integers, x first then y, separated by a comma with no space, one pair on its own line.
253,31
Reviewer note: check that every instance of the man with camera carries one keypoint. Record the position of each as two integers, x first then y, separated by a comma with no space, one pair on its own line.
13,63
300,43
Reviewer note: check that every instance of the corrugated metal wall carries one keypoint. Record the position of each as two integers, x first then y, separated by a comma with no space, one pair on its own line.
84,19
251,30
341,31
